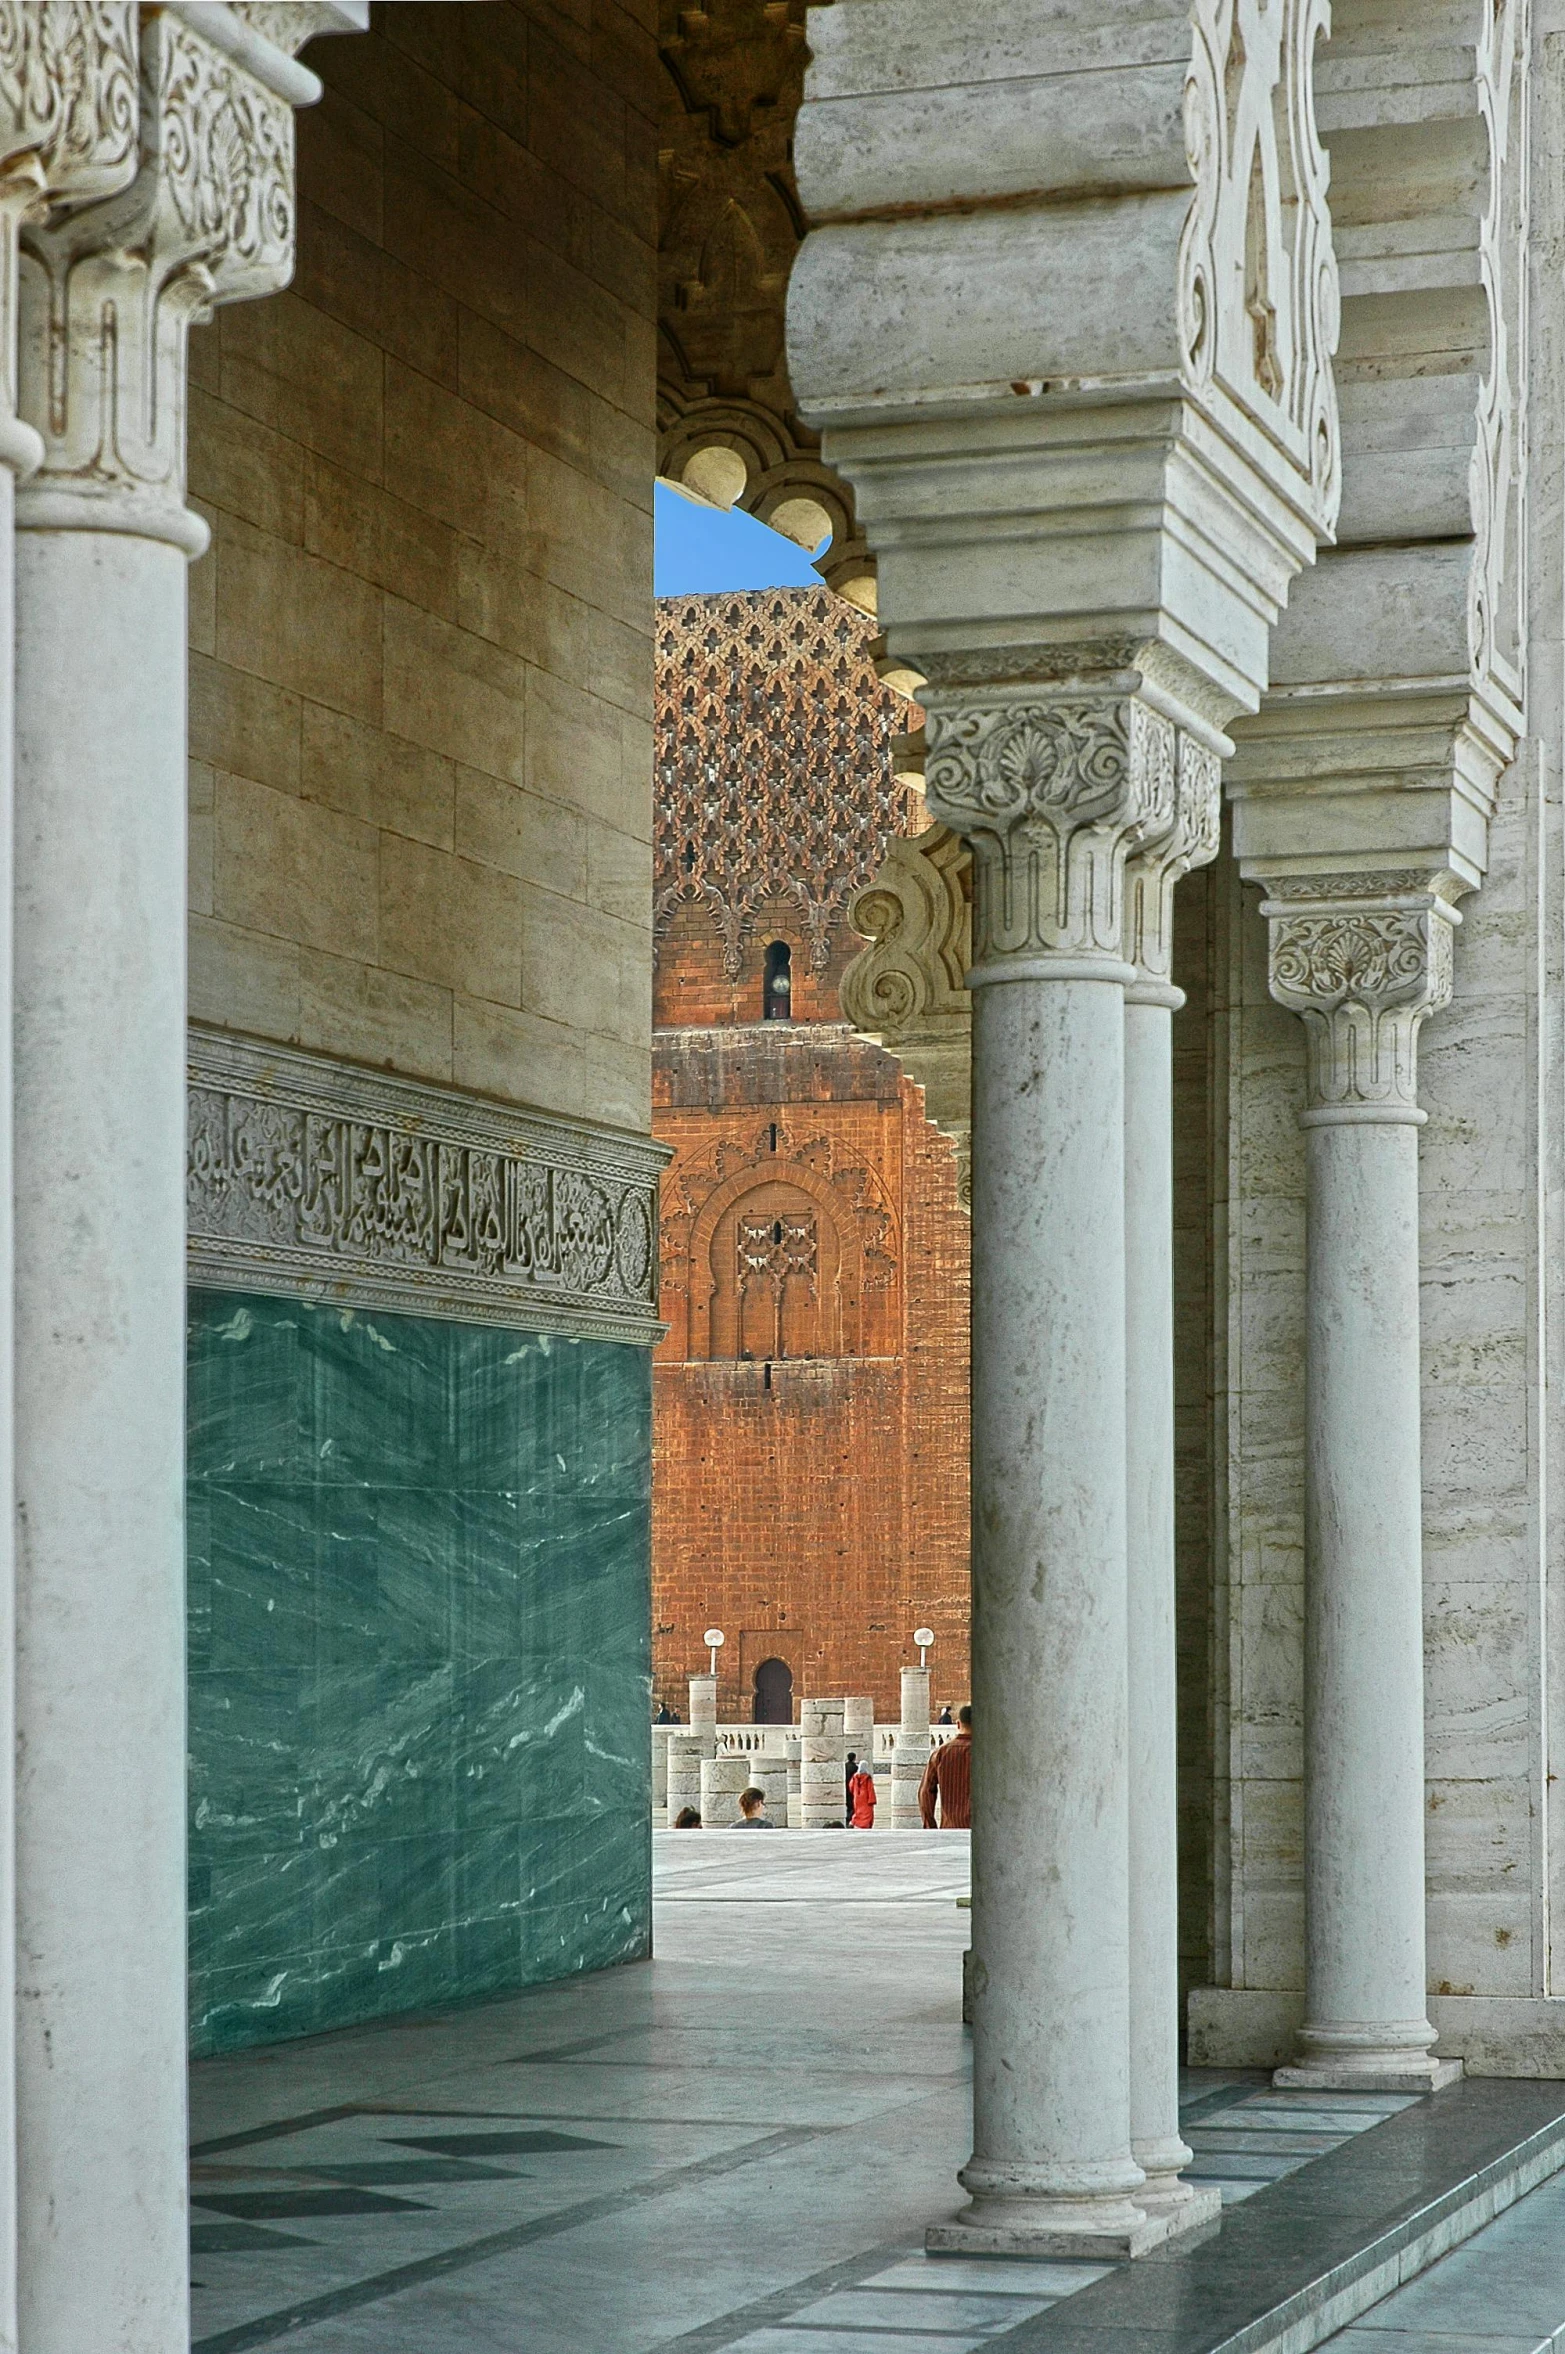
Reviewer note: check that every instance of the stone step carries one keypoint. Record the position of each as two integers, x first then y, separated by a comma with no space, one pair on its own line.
1314,2251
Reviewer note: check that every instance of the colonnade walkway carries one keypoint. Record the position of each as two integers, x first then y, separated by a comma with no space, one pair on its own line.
742,2144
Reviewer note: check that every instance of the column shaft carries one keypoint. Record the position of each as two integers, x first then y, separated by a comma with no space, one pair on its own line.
1051,2123
1149,1485
1364,1657
99,1161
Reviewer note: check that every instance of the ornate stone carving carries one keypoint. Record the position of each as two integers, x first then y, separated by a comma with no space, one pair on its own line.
316,1178
1363,975
67,134
774,779
1053,796
1151,874
68,93
109,292
907,991
1259,222
288,24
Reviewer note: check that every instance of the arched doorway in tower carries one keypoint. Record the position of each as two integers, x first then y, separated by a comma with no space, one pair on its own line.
774,1693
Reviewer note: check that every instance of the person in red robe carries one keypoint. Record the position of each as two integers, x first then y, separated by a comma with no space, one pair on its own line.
861,1800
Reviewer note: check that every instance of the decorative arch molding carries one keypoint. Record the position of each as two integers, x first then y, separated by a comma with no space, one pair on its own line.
860,1226
738,453
822,1254
730,226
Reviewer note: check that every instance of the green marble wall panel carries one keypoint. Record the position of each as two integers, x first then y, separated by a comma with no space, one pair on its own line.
419,1663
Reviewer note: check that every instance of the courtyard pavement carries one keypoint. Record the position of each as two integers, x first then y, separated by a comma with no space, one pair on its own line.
736,2146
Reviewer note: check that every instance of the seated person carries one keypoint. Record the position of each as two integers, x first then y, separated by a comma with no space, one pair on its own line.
752,1812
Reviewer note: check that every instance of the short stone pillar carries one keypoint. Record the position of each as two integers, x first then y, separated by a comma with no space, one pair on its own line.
823,1757
703,1702
687,1751
769,1773
911,1754
908,1762
660,1740
722,1779
793,1757
858,1724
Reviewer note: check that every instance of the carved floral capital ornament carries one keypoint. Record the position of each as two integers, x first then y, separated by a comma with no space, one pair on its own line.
109,290
1362,971
1082,812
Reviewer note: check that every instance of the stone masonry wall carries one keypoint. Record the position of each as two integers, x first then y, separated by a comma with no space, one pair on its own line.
421,657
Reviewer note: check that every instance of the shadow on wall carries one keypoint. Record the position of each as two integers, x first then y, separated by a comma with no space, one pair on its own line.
419,1663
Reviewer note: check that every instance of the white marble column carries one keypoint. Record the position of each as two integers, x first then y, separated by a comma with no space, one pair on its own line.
56,151
1150,1005
103,540
1363,965
1053,791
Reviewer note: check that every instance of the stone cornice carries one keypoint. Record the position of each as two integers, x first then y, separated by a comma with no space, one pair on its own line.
323,1180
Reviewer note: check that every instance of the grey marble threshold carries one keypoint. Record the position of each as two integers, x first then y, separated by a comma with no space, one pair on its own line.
1313,2252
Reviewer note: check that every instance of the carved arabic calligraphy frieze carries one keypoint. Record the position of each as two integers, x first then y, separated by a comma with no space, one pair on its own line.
309,1176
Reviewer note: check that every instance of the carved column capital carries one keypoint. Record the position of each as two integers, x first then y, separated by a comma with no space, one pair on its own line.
1054,790
67,136
1151,874
1362,963
109,291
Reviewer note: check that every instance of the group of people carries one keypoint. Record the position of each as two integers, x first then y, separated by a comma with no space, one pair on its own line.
945,1795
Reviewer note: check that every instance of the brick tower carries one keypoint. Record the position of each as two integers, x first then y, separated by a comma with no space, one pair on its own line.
810,1447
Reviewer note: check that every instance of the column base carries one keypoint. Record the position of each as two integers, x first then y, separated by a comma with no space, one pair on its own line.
1046,2235
1423,2074
1188,2207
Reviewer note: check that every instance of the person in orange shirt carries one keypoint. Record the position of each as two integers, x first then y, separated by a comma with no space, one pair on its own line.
949,1777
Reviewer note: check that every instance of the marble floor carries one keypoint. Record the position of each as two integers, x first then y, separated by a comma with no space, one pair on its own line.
738,2145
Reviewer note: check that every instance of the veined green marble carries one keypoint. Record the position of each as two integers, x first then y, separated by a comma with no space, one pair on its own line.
419,1663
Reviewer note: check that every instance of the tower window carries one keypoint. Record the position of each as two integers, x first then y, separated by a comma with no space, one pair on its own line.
777,989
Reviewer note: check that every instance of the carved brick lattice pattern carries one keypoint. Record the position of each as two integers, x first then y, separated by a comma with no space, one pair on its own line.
774,778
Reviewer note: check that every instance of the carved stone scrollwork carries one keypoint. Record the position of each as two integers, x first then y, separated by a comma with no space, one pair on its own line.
1363,974
1053,796
1259,221
67,135
109,292
315,1178
907,991
68,93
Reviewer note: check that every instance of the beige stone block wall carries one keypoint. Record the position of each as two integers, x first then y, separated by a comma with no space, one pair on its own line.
1487,1313
421,643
